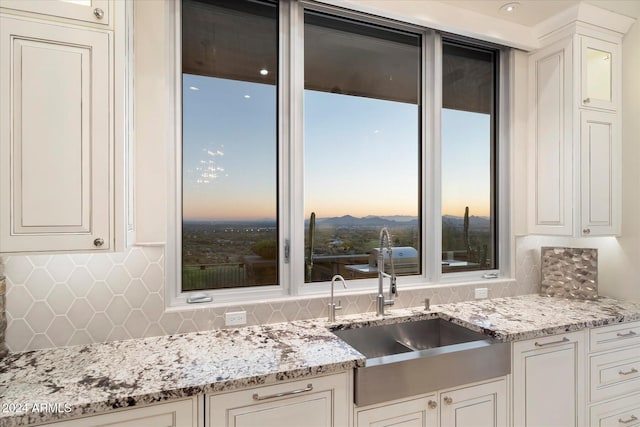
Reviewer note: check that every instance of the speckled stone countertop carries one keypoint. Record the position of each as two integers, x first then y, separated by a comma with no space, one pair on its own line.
95,378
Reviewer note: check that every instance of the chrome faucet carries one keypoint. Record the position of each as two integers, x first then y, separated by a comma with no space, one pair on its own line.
332,306
393,290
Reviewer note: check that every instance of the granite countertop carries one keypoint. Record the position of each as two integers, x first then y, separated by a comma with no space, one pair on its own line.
98,377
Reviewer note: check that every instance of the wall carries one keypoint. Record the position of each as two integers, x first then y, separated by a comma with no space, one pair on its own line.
59,300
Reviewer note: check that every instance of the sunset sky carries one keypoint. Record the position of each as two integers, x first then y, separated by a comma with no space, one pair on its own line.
360,154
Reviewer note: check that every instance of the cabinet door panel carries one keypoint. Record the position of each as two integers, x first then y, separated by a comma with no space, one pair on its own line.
548,381
600,176
181,413
55,150
599,73
550,149
480,405
82,10
411,413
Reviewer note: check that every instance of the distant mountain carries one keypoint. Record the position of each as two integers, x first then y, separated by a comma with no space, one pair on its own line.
396,218
367,221
475,222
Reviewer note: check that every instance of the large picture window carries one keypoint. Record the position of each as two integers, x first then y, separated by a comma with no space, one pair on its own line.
362,146
305,129
469,240
229,144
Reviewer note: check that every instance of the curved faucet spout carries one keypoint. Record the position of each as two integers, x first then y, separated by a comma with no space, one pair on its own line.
385,237
333,306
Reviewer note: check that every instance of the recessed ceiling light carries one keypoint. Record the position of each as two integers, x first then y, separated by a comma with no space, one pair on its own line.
193,88
264,72
509,7
247,96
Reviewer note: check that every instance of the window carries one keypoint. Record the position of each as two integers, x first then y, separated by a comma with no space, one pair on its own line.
306,128
469,240
362,146
229,144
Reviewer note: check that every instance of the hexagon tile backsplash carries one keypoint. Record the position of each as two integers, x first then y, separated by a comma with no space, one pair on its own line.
60,300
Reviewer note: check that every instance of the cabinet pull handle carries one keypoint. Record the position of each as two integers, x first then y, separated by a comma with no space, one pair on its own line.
98,13
586,231
256,396
563,340
628,334
432,404
448,400
629,372
98,242
630,420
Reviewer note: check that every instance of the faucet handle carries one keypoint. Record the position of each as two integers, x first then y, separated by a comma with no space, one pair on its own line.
338,306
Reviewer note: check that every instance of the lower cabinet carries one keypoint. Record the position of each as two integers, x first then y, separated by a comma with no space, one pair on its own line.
549,381
313,402
481,404
418,412
177,413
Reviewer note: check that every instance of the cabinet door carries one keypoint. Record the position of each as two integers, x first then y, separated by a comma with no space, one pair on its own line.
182,413
96,11
548,381
421,412
316,402
55,138
600,173
479,405
550,141
599,76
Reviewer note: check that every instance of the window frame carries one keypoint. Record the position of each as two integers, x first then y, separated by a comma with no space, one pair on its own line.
290,130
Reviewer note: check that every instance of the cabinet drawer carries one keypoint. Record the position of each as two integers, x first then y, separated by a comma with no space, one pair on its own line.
615,373
615,336
617,413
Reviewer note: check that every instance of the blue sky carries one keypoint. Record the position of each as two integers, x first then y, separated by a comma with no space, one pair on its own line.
361,154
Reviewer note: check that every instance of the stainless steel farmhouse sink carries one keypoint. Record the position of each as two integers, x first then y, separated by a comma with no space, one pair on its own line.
406,359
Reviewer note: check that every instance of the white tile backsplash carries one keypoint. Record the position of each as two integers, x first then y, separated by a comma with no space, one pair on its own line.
59,300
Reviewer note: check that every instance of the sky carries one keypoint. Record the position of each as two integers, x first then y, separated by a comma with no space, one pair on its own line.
360,154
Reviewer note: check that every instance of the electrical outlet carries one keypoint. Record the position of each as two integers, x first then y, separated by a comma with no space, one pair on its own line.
482,293
235,318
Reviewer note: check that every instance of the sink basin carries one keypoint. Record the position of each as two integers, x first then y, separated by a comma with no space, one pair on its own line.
410,358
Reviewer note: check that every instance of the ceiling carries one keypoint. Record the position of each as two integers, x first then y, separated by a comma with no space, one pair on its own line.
531,12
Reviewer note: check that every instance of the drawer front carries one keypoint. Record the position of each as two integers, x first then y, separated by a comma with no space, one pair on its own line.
618,413
616,336
615,373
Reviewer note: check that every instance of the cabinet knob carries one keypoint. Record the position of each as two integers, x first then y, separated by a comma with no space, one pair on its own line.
448,400
586,231
432,404
586,100
99,13
98,242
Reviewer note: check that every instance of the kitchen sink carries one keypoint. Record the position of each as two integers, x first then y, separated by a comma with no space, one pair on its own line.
410,358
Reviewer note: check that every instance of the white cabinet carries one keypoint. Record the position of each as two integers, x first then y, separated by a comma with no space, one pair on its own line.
600,180
548,377
87,11
61,133
314,402
177,413
599,74
614,375
575,141
477,405
480,404
417,412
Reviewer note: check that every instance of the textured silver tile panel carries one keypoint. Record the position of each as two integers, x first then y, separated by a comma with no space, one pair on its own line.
569,272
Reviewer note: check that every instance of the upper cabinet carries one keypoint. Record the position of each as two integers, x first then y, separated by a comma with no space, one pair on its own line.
86,11
574,148
61,131
599,74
